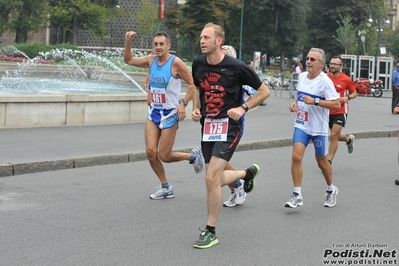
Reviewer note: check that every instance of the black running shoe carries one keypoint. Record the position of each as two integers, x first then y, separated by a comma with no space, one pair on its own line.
249,184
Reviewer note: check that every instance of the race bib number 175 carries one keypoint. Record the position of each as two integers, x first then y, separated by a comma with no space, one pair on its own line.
215,129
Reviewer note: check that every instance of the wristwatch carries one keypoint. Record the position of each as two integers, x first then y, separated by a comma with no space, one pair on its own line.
245,106
316,101
349,97
184,102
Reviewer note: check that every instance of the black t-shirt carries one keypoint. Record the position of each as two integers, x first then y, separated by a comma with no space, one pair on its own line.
221,84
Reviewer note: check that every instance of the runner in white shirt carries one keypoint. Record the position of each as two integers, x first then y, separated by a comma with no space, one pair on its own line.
316,95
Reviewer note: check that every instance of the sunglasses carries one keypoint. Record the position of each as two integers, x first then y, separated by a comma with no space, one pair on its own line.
312,59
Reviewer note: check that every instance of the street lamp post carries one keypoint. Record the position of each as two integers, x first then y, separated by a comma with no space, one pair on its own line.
378,36
362,34
241,25
379,31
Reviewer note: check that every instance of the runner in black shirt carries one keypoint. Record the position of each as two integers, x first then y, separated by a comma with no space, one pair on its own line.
219,80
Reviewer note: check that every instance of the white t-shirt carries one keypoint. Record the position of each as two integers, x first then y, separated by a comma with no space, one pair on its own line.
298,70
312,119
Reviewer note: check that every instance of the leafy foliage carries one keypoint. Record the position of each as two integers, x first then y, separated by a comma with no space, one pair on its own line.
22,17
146,15
345,33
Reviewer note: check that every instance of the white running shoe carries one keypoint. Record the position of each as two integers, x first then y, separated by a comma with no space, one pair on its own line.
294,201
163,193
198,163
231,202
331,198
241,195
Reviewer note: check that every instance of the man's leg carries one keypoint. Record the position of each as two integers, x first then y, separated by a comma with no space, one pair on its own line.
213,179
231,201
167,140
397,180
296,163
298,151
152,136
395,98
335,136
326,169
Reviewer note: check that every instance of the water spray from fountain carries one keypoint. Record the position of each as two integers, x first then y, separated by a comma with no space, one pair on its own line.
77,65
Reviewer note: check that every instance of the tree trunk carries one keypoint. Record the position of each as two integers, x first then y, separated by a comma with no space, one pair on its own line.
282,66
21,34
75,30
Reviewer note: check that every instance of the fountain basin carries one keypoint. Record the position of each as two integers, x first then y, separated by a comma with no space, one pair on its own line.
65,108
58,110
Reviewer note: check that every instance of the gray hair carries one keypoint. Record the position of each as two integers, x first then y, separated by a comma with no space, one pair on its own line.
321,52
230,50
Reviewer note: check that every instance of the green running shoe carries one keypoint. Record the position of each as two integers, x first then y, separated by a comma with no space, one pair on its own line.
206,240
249,184
351,145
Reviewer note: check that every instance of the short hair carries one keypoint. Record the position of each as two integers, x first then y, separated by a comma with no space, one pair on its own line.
230,50
219,31
321,52
162,33
337,57
248,62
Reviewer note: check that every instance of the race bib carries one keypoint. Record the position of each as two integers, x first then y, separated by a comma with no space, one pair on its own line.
158,98
215,129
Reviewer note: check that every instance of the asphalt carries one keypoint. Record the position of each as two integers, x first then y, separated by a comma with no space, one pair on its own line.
102,215
39,149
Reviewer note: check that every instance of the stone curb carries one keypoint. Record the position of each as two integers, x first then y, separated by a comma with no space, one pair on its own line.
11,169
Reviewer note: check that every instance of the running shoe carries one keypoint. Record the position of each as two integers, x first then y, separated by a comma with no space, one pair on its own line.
206,240
163,193
198,162
295,200
351,145
331,198
241,196
397,181
231,202
249,184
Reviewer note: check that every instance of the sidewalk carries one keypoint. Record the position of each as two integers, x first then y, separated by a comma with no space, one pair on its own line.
30,150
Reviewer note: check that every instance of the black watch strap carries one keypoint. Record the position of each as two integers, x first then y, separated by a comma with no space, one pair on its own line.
245,106
184,102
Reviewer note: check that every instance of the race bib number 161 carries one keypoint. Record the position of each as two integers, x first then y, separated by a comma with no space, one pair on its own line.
215,129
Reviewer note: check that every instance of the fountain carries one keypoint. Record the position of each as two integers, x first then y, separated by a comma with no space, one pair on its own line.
82,91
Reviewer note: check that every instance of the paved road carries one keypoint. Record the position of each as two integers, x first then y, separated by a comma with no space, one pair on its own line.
29,150
102,215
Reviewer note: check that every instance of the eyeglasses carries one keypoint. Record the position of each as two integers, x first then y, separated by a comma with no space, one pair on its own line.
311,59
335,64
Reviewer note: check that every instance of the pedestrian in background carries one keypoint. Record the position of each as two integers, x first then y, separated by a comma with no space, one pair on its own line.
395,88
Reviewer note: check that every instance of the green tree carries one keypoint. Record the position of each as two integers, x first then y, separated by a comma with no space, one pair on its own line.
146,15
22,17
323,13
345,33
393,40
191,17
82,14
